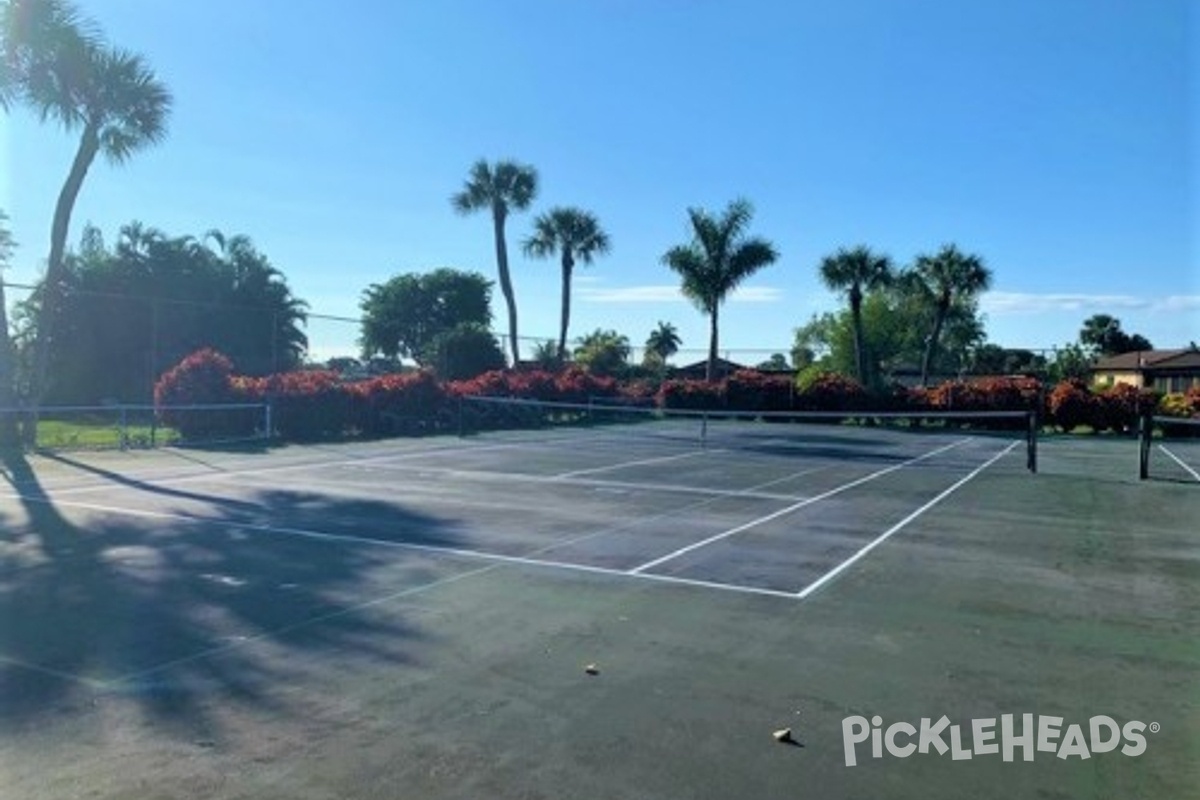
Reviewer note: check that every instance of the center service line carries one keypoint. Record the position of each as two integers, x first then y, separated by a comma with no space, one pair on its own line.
833,573
794,507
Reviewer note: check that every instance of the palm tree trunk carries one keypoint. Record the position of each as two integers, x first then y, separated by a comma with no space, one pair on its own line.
506,284
711,369
931,346
89,145
567,265
856,320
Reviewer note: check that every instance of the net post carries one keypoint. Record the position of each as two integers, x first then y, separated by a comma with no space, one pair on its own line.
123,429
1145,434
704,429
269,433
459,411
1032,442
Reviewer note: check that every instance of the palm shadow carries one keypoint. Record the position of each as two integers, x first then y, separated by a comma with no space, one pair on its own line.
184,613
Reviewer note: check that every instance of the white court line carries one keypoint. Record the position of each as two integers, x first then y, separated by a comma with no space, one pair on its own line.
639,521
419,548
789,509
523,477
53,673
641,462
216,472
833,573
1179,461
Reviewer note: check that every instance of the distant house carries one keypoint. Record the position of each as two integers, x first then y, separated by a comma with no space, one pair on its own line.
723,368
1164,370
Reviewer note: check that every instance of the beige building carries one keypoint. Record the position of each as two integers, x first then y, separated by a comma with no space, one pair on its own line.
1163,370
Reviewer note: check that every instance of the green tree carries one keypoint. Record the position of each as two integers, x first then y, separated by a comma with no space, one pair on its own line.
403,316
464,351
941,279
501,188
603,352
662,343
719,257
892,321
853,272
1102,335
546,355
1069,361
778,362
576,236
60,66
130,312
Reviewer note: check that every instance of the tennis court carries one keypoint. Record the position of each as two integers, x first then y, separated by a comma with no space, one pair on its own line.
412,618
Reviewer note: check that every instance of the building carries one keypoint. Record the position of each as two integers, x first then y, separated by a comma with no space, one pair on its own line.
1162,370
723,368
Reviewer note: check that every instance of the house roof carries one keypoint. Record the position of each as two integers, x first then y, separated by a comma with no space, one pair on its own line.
1149,359
720,364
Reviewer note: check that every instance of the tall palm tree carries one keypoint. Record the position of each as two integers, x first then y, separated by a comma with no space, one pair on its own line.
663,342
854,272
943,279
111,96
575,235
501,188
718,258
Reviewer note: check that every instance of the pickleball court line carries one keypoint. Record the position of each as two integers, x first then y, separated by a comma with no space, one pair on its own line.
419,548
899,526
1180,462
218,473
754,523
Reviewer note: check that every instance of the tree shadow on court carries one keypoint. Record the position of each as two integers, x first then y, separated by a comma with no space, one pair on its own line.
184,615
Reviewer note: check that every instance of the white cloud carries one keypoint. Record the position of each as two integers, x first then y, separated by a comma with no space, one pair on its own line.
1033,303
669,293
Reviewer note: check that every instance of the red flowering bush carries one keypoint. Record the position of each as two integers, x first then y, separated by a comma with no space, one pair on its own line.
692,395
748,389
829,391
1071,405
205,378
1117,408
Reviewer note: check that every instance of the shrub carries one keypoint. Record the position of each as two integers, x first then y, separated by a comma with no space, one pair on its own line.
203,378
1071,405
464,352
829,391
691,394
748,389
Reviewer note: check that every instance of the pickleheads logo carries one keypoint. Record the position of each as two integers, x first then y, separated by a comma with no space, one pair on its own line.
1045,735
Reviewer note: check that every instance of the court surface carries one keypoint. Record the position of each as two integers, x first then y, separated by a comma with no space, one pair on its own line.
413,618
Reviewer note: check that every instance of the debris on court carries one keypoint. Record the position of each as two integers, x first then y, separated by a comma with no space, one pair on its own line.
783,735
592,669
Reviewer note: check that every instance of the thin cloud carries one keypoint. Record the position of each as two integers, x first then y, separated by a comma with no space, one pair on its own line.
1033,303
667,293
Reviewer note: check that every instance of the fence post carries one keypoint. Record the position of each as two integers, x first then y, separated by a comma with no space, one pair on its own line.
123,429
1033,441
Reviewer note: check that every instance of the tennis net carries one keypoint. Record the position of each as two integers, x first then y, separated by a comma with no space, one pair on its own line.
1169,448
832,434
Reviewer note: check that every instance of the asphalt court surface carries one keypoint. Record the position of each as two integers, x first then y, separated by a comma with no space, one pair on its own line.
773,520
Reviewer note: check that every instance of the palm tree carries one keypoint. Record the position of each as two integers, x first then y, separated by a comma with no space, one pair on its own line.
663,342
943,279
110,95
855,271
576,236
500,188
718,258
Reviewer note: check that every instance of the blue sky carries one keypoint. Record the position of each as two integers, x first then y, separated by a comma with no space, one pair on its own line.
1055,139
